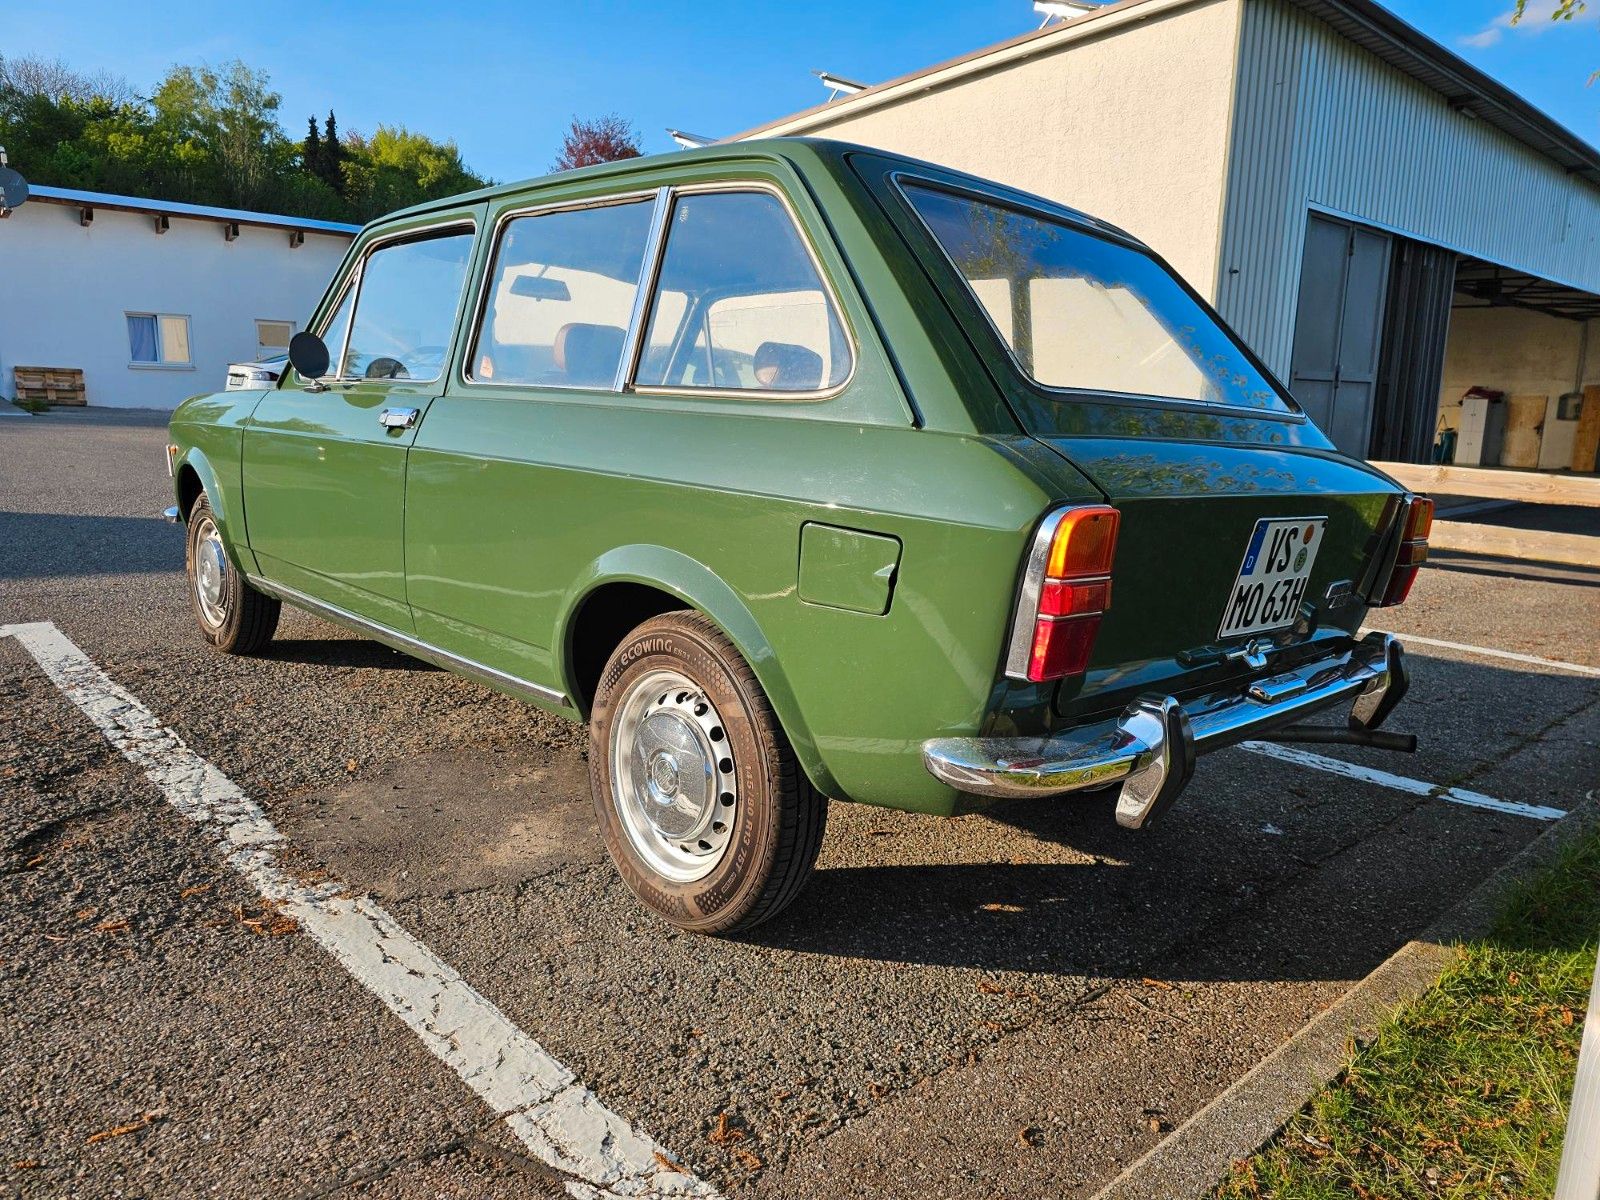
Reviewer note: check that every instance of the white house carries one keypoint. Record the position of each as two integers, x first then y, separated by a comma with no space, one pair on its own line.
153,299
1386,225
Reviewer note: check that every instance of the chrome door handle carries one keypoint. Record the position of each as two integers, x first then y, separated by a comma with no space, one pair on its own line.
398,418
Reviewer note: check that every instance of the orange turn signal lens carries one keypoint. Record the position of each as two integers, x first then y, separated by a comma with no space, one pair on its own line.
1419,519
1085,542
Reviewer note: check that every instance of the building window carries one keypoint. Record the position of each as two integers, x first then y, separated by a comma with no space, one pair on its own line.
272,338
158,340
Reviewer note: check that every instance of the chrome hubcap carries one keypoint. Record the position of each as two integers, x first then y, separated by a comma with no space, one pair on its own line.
210,572
672,776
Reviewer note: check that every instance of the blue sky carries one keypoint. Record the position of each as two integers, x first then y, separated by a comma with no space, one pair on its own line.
503,77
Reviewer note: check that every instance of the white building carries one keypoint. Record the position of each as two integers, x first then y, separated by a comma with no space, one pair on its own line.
1384,224
153,299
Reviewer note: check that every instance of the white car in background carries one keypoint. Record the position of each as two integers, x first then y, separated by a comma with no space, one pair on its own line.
245,375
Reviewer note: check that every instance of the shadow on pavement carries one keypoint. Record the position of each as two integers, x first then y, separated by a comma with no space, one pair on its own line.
47,545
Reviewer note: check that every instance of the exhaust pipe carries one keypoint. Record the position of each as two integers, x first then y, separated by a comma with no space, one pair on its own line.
1325,735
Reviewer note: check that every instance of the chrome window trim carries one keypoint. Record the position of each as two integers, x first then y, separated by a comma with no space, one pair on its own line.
1019,645
649,269
830,295
481,301
409,644
357,276
1090,228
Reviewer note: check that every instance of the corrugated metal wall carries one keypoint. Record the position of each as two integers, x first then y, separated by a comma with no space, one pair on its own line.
1320,122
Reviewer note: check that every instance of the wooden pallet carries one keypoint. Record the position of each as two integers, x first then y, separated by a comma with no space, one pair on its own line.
53,385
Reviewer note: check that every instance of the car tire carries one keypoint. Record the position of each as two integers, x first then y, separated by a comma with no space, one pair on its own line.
701,801
233,616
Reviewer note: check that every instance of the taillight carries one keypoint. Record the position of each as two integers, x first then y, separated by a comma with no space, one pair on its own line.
1413,551
1065,591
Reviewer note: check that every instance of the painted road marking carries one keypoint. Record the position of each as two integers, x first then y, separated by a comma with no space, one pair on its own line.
1416,787
542,1102
1554,663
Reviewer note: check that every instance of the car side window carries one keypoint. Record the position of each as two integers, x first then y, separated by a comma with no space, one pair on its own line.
405,308
561,293
335,328
740,305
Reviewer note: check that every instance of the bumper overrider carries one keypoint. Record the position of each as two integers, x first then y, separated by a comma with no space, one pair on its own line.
1150,749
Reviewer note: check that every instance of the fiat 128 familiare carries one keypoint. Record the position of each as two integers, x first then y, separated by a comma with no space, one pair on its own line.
799,470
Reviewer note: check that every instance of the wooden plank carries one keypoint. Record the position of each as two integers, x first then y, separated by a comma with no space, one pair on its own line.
1536,545
1586,442
1528,486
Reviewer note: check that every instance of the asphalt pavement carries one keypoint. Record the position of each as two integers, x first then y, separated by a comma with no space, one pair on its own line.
1017,1003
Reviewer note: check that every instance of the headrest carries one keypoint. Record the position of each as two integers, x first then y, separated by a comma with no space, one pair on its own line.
785,367
588,354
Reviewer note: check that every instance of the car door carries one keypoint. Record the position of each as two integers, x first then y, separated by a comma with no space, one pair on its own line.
325,460
486,487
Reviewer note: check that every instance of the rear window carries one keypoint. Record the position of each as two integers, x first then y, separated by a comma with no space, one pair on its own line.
1084,313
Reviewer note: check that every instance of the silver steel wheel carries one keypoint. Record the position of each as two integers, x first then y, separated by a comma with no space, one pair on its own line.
210,572
672,776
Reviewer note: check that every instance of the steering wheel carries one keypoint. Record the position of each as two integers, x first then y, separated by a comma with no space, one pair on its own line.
386,368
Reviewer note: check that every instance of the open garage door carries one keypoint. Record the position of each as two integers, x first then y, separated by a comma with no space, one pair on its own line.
1338,332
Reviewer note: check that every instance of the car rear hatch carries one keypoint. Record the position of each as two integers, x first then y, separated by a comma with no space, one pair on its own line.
1111,360
1191,514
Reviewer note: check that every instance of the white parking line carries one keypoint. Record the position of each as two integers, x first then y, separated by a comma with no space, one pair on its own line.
1416,787
554,1115
1554,663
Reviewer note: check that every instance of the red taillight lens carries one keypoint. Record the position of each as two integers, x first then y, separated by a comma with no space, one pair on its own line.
1062,648
1065,595
1062,599
1413,551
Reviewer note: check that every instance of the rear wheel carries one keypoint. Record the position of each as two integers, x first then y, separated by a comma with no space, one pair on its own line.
233,616
700,799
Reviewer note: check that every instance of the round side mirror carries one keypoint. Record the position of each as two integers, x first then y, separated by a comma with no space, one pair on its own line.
308,355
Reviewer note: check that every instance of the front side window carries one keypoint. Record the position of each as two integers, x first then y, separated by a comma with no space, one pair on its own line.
739,304
158,339
405,309
561,293
1083,312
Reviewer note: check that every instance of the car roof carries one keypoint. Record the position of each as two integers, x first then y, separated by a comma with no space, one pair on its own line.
799,152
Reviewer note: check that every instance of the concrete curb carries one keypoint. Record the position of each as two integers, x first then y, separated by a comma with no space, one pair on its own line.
1195,1157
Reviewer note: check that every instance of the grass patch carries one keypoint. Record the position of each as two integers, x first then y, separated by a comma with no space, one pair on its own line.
1463,1093
33,406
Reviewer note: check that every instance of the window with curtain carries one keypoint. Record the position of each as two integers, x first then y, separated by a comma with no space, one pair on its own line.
158,339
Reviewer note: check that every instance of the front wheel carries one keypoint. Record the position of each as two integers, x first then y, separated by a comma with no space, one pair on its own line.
233,616
700,799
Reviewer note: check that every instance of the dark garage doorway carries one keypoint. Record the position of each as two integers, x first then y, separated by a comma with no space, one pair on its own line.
1369,339
1338,328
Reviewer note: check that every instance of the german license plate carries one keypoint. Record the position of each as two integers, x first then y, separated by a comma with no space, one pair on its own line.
1272,580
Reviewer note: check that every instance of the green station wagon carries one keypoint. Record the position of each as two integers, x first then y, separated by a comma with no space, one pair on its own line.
800,470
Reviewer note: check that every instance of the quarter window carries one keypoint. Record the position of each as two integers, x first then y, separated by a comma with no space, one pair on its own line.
158,339
562,291
405,308
739,303
1083,312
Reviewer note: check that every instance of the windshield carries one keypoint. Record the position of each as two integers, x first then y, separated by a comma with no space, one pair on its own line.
1082,312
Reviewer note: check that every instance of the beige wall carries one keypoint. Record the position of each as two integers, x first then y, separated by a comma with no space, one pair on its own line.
1126,119
1516,352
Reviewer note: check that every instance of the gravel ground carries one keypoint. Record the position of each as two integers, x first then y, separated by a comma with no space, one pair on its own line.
1011,1004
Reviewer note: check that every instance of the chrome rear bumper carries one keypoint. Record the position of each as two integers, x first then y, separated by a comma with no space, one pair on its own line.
1151,748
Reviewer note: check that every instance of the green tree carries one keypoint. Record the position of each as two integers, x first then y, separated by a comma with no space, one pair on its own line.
396,168
211,136
232,115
